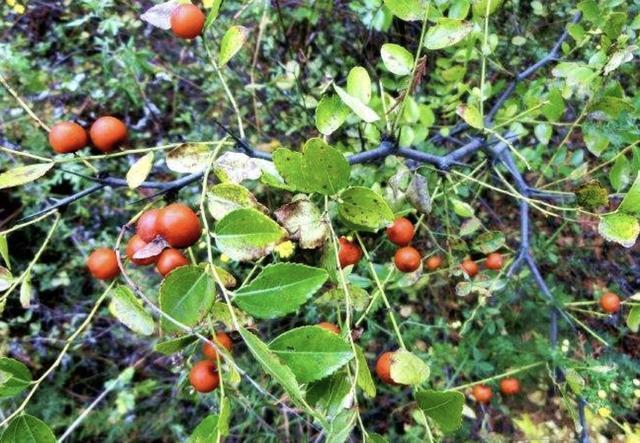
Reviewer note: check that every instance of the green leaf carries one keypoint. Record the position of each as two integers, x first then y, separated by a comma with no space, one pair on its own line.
619,174
469,226
631,201
408,10
231,43
27,429
444,408
461,208
359,84
575,381
4,250
247,234
331,113
127,308
312,352
595,139
19,379
364,209
446,32
214,10
279,289
489,242
341,427
363,377
26,290
633,319
471,115
174,345
304,222
224,198
396,59
23,174
335,298
408,369
319,168
206,431
356,105
330,394
479,7
620,228
186,294
272,364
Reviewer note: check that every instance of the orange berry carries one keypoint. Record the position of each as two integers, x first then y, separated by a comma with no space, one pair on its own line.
400,232
329,327
434,262
204,376
179,225
222,339
482,393
187,21
169,260
349,253
509,386
470,267
108,133
103,264
407,259
610,302
146,225
494,261
383,367
66,137
134,244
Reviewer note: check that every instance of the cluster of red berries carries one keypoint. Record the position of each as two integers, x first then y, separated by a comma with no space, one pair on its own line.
106,134
204,374
494,261
508,386
175,225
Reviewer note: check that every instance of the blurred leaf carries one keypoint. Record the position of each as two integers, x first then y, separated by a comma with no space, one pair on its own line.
139,171
408,10
633,319
575,381
186,294
26,291
408,369
247,234
6,279
447,32
480,7
489,242
341,427
445,408
471,115
359,84
23,174
16,377
397,59
279,289
461,208
214,6
620,228
4,251
174,345
27,429
331,113
127,308
335,298
188,158
231,43
619,174
160,15
356,105
363,377
206,431
631,201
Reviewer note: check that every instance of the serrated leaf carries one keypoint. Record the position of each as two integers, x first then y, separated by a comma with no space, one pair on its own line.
312,352
23,174
331,113
408,369
445,408
359,84
160,15
364,209
247,234
620,228
273,365
397,59
19,377
304,223
174,345
330,395
224,198
127,308
139,171
27,429
231,43
319,168
342,426
188,158
447,32
356,105
26,291
633,319
471,115
363,377
279,289
408,10
186,294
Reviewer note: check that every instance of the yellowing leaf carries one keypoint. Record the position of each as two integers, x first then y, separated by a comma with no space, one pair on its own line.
140,170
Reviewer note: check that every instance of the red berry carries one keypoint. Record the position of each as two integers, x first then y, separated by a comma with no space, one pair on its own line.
434,262
222,339
349,253
407,259
470,267
204,376
108,133
509,386
187,21
482,393
383,367
103,264
179,225
146,227
169,260
66,137
610,302
400,232
494,261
